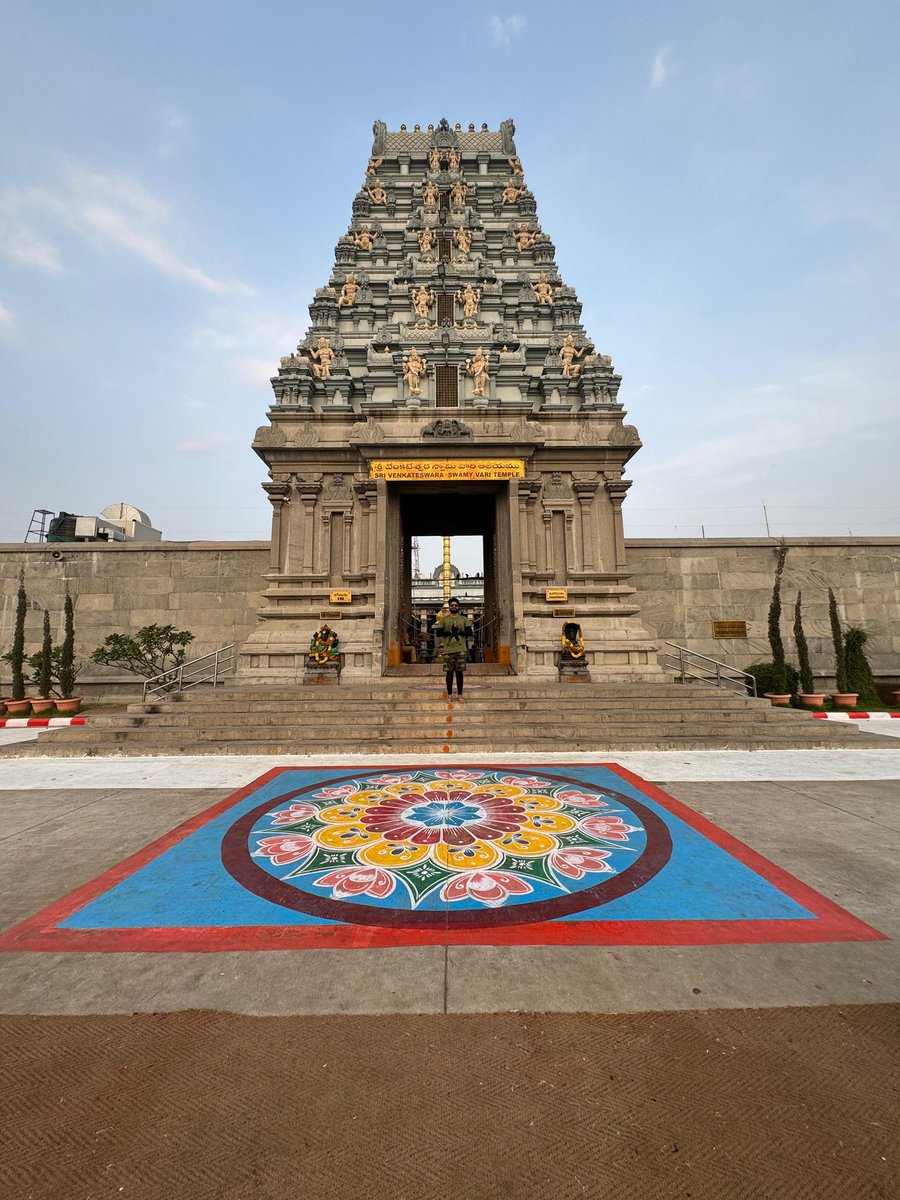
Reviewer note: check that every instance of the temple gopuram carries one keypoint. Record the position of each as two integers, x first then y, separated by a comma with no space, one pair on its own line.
446,386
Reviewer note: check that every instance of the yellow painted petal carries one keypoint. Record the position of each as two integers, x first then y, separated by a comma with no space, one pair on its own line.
341,814
550,822
474,857
527,841
393,854
346,837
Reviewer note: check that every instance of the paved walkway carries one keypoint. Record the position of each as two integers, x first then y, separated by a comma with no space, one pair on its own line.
831,819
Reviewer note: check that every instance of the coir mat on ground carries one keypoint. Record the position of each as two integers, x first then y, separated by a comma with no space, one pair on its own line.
786,1104
543,855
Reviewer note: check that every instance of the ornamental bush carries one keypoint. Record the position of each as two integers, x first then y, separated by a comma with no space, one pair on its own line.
806,675
837,640
856,665
152,651
775,642
770,677
68,668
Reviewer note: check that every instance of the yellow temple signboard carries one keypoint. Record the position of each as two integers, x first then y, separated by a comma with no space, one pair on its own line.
552,594
340,597
729,629
457,469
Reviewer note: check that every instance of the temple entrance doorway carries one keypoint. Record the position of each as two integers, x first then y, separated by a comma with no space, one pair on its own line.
415,591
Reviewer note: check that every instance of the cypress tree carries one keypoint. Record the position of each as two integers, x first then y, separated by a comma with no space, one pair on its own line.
780,679
806,675
67,670
46,676
837,638
17,654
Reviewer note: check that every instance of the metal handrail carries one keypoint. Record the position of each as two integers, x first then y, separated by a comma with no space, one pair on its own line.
188,674
688,670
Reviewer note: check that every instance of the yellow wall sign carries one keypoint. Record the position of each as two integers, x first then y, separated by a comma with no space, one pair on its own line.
729,629
556,594
459,469
340,597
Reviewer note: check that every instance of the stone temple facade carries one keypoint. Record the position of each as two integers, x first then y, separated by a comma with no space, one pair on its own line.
446,386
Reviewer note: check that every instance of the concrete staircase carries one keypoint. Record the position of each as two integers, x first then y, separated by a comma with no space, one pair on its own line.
499,715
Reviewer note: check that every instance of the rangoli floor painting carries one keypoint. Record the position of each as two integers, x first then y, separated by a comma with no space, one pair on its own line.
558,855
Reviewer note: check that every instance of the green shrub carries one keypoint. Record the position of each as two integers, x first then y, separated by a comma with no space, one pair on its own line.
68,668
152,651
775,642
856,666
806,675
837,640
769,678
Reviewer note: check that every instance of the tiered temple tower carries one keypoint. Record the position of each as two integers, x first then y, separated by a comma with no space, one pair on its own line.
446,386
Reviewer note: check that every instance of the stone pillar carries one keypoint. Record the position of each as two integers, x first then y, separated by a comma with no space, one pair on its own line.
617,488
279,493
585,490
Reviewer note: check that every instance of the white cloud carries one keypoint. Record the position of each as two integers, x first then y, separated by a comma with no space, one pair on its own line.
504,29
111,210
660,70
206,443
7,320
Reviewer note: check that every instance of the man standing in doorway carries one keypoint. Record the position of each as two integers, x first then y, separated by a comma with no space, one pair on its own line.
453,628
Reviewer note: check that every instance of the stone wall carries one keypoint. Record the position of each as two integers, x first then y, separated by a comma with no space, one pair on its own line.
213,590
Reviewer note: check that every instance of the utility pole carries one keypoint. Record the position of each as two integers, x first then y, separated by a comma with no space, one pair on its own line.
766,515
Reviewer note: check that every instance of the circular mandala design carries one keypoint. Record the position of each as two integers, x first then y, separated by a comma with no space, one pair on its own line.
432,848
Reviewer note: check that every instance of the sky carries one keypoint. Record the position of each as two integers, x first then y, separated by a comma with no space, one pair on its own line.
720,180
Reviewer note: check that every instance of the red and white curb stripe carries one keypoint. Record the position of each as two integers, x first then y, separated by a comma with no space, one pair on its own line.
39,722
853,716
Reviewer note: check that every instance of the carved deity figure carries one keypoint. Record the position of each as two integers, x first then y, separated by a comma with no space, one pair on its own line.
422,301
511,193
414,366
469,298
515,164
363,240
453,159
426,240
477,367
458,194
568,354
434,159
323,645
376,192
543,292
374,164
429,195
324,354
348,291
463,240
524,237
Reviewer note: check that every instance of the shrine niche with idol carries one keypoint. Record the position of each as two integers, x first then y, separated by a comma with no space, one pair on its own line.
445,319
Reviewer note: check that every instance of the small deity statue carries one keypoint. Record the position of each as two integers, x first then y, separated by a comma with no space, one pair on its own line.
374,164
525,239
572,640
348,291
414,366
422,301
469,298
434,159
515,164
463,240
542,290
376,192
511,193
323,645
324,353
429,195
364,240
453,159
568,354
426,240
458,194
477,367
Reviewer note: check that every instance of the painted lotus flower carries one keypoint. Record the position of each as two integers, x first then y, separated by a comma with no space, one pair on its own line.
612,829
282,850
456,817
290,816
492,888
522,781
388,780
470,776
582,799
358,881
327,793
577,861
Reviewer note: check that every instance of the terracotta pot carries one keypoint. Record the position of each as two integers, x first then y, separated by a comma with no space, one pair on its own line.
845,699
71,705
812,699
40,705
18,708
778,699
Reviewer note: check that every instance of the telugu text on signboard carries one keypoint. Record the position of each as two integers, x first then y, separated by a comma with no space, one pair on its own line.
729,629
457,469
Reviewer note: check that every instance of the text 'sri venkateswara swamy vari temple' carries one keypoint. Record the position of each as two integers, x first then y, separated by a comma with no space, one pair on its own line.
446,386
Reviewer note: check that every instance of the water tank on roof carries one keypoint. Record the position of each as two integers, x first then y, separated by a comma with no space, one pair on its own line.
132,521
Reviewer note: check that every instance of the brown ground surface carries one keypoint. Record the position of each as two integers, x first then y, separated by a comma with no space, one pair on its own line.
794,1103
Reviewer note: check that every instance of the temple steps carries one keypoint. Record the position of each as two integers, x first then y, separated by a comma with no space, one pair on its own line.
393,718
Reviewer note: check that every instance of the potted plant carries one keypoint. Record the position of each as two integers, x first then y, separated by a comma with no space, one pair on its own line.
860,680
43,675
779,693
808,697
17,705
68,668
842,697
